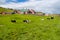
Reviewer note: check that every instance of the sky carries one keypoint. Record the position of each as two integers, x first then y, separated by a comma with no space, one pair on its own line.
46,6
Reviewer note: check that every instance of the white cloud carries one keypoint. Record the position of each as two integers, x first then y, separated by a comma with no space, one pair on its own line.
47,6
14,0
2,1
32,0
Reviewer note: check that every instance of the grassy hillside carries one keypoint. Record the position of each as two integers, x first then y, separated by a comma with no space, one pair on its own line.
36,29
5,10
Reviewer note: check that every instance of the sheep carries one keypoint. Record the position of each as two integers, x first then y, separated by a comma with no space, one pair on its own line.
13,21
26,21
52,17
48,18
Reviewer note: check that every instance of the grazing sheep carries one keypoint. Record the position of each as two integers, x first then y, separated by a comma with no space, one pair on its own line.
26,21
52,17
48,18
13,21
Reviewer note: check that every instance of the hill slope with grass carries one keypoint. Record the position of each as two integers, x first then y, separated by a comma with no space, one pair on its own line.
5,9
36,29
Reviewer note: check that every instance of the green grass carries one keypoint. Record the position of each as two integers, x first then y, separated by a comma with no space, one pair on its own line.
37,29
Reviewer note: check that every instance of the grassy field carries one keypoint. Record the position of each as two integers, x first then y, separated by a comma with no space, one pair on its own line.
36,29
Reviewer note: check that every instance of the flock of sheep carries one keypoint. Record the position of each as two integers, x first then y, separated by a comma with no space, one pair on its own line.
27,21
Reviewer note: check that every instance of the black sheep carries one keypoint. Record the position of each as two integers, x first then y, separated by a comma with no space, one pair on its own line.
48,18
13,21
52,17
26,21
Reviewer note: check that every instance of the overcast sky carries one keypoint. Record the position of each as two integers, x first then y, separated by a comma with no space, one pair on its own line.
47,6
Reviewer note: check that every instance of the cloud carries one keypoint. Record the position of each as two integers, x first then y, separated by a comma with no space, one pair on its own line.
47,6
14,0
2,1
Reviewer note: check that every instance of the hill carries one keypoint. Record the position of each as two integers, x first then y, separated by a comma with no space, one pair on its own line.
5,10
36,29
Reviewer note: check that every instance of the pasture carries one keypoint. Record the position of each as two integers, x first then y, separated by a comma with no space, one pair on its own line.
36,29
